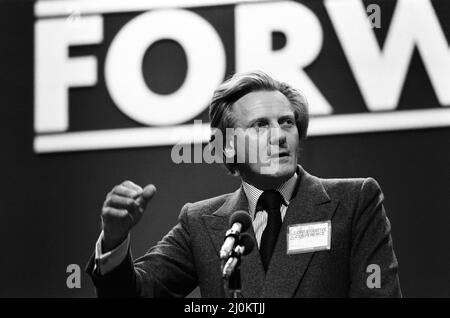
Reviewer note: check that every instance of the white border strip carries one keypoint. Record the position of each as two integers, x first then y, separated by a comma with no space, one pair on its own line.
378,122
121,138
46,8
185,134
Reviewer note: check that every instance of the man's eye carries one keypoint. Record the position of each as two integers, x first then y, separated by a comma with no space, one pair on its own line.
288,122
259,124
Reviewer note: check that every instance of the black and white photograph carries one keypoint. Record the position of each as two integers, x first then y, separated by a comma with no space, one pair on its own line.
225,149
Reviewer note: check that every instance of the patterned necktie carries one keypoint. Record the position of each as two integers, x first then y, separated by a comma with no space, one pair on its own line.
270,201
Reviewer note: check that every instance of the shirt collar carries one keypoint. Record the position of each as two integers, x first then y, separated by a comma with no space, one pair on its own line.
253,193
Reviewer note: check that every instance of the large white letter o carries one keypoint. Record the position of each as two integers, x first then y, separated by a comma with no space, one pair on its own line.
205,67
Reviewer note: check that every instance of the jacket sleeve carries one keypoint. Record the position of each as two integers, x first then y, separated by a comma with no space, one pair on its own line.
373,264
166,270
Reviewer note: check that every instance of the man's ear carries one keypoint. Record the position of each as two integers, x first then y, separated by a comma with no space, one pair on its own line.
229,153
229,150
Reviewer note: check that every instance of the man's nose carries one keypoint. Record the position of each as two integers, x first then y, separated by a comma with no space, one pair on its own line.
277,136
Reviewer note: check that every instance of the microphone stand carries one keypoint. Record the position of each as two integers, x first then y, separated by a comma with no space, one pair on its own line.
231,255
232,283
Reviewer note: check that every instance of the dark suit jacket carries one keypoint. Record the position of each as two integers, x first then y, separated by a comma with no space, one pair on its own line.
188,256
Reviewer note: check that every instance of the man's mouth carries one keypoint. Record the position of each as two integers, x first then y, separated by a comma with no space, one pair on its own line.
280,155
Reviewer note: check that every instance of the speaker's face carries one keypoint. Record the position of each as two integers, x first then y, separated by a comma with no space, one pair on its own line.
266,139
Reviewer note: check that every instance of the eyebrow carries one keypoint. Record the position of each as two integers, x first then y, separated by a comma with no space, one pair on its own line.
263,119
251,122
287,117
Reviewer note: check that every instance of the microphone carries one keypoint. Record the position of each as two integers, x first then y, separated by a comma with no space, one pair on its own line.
240,221
244,247
246,241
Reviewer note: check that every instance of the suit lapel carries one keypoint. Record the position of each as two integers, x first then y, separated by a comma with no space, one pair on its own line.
252,271
310,203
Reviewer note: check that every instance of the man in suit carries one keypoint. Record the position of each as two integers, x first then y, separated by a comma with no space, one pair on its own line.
293,213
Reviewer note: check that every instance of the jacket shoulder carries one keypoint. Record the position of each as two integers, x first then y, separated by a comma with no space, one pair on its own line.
347,182
207,206
350,188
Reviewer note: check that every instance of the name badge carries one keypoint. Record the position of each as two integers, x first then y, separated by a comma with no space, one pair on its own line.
308,237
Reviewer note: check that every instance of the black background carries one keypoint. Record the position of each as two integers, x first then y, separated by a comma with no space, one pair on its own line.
50,203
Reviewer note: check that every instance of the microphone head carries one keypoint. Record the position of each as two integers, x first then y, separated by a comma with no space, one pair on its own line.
241,217
247,241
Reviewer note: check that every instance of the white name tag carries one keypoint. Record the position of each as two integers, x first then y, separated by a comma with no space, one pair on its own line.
308,237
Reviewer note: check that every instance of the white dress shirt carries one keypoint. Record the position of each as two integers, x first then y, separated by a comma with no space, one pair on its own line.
106,262
260,218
